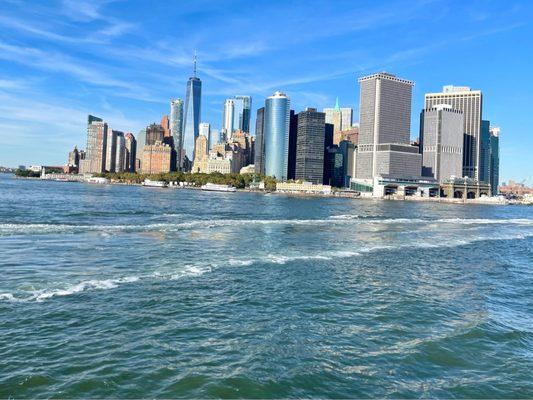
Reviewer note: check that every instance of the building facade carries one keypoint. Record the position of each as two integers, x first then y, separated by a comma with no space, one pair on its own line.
470,102
259,160
120,154
192,114
441,142
494,160
384,132
96,150
310,146
176,129
276,135
157,158
205,129
228,116
243,109
130,155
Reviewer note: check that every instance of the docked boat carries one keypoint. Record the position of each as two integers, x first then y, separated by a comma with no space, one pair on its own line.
159,184
213,187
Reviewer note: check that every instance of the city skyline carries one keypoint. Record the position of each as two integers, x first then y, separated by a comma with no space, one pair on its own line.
50,112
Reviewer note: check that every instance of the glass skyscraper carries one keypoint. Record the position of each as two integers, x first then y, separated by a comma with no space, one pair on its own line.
243,107
176,129
191,118
276,135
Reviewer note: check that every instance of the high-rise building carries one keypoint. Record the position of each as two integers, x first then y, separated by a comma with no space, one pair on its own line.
293,143
111,156
340,118
95,161
470,102
494,157
120,157
192,114
228,117
259,160
484,152
74,157
310,146
201,153
276,135
242,113
384,147
176,129
154,133
157,158
205,129
130,156
441,142
165,123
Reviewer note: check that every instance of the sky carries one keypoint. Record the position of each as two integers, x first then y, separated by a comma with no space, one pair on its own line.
124,60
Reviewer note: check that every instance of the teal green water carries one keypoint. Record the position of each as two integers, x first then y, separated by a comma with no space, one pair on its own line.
115,291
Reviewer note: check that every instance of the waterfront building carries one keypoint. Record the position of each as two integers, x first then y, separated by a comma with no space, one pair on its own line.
242,113
328,144
228,117
130,145
111,156
293,143
154,133
219,163
243,143
484,151
470,102
95,161
259,160
310,146
192,113
176,129
205,129
201,154
494,160
441,142
384,147
302,187
157,158
276,135
141,141
120,157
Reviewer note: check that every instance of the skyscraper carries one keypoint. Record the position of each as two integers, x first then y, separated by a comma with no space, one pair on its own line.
441,142
484,151
154,133
120,157
131,152
259,160
228,117
470,102
385,122
340,118
205,129
494,158
191,119
176,129
276,135
310,146
293,142
243,107
95,160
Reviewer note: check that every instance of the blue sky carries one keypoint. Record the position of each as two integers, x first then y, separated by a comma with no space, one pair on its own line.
124,61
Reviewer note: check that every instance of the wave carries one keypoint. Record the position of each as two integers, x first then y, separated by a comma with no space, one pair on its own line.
21,229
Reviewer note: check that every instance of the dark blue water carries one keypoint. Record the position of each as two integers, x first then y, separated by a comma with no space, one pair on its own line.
117,291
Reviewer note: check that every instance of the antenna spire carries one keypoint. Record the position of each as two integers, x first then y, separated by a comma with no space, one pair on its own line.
194,64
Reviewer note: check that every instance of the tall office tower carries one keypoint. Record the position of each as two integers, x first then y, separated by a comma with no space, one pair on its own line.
176,129
165,123
494,166
484,151
74,157
470,102
340,118
154,133
293,142
95,160
243,108
259,159
131,152
227,117
276,135
120,154
111,161
310,146
214,138
441,142
328,145
205,129
384,134
191,119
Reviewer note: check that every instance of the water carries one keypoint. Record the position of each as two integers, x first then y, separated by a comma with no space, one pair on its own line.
117,291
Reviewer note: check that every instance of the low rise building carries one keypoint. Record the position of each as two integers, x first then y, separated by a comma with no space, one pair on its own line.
302,187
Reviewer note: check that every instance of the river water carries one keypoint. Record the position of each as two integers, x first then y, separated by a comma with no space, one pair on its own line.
127,291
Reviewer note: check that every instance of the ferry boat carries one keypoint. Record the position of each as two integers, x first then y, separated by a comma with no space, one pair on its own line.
150,183
218,188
